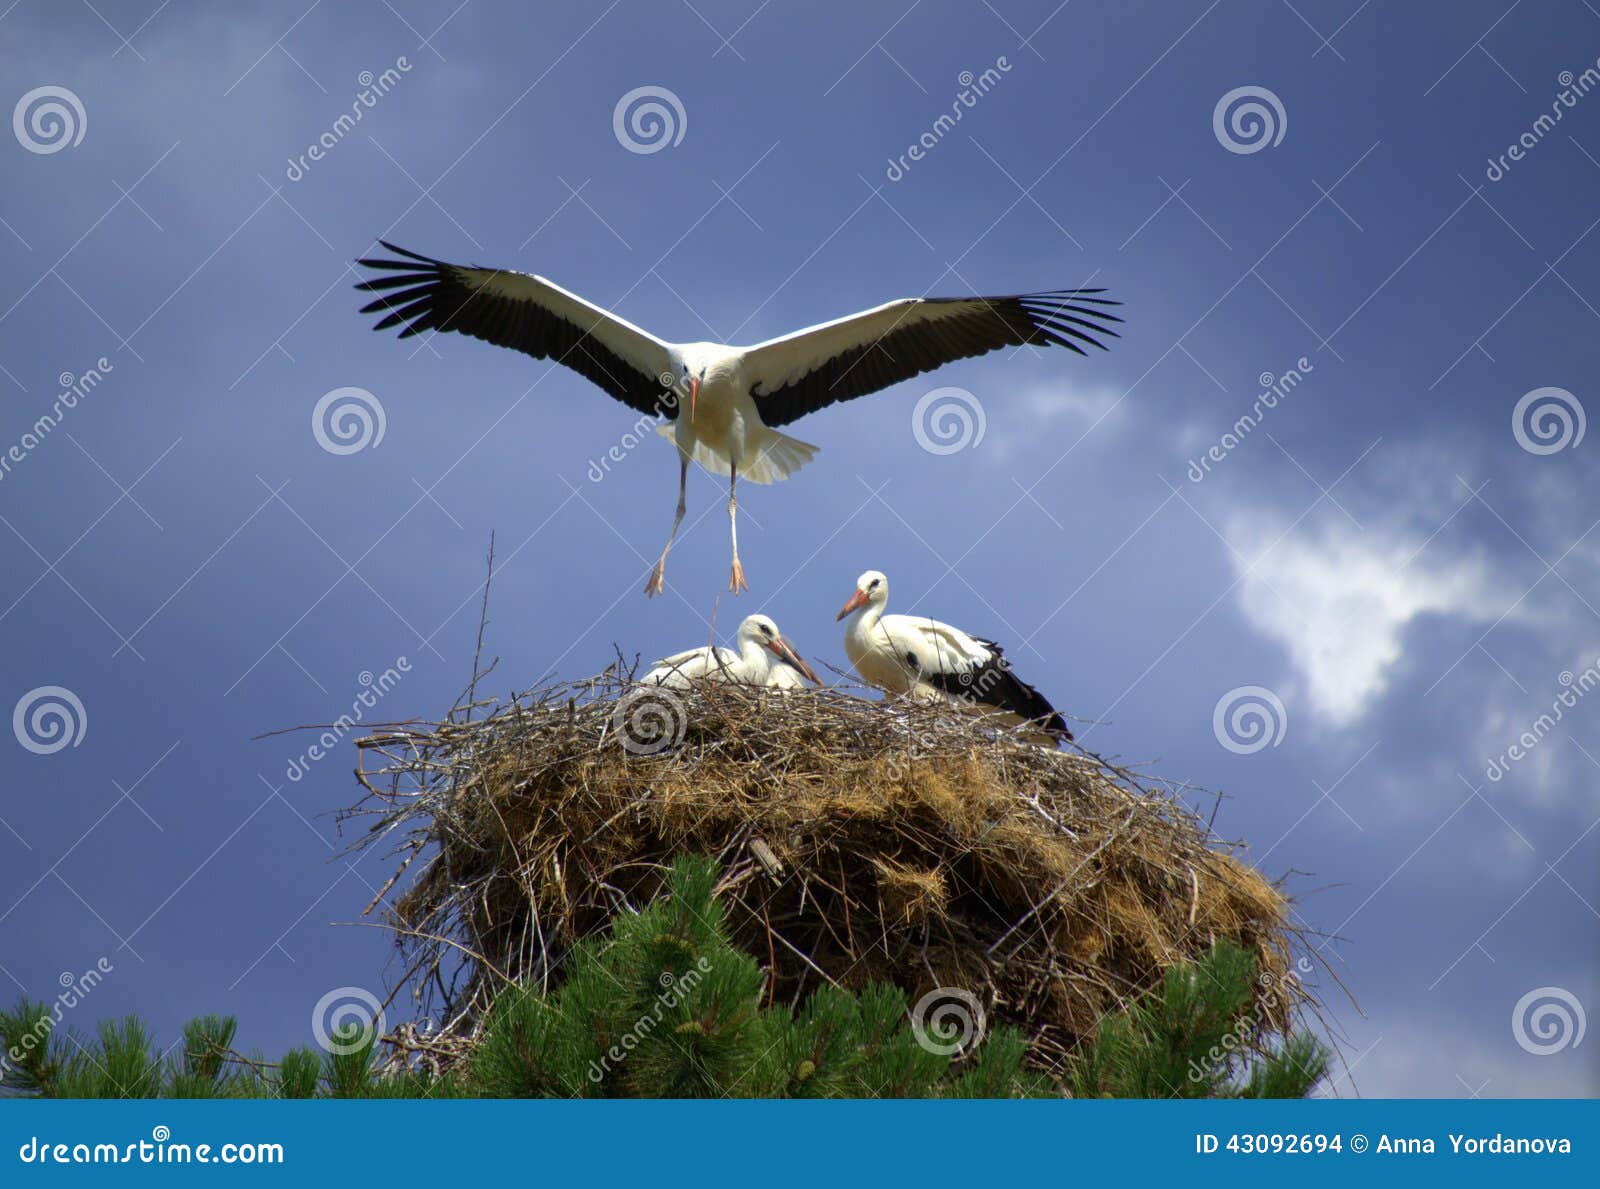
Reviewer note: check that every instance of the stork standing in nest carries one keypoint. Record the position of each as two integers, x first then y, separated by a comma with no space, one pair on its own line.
932,662
724,403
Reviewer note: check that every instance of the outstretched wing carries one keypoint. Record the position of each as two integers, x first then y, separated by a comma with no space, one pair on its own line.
528,314
850,357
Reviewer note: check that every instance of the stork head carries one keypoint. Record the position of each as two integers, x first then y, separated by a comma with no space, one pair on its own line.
760,630
872,590
691,363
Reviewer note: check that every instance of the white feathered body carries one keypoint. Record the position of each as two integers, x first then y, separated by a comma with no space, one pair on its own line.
683,669
929,661
754,662
726,429
882,649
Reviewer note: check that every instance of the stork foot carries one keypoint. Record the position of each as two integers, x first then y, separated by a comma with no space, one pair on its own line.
736,582
657,581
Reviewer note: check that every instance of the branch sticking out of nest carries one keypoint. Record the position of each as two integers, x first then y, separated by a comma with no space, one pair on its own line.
862,841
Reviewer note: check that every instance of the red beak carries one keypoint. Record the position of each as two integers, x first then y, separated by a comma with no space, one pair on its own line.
694,393
783,649
859,599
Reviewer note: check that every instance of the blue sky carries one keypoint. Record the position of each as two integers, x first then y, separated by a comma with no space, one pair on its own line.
1379,552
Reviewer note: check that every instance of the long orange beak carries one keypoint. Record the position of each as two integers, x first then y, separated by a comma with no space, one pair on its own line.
694,393
859,599
783,649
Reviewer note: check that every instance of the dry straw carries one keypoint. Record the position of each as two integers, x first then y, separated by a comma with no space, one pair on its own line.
860,841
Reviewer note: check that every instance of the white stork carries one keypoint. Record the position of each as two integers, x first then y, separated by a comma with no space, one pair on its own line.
763,657
932,661
735,395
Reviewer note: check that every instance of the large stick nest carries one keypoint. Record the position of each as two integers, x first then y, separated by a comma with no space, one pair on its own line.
860,840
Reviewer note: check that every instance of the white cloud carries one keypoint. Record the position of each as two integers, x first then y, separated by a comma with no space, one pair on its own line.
1037,408
1339,600
1051,402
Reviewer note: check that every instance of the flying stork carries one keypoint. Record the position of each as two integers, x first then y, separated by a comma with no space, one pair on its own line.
763,657
932,661
735,396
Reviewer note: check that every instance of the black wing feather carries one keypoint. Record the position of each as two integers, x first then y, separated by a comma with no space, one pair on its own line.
433,296
994,684
1058,317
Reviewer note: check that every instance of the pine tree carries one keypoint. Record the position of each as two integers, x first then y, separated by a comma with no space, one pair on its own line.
666,1006
1197,1037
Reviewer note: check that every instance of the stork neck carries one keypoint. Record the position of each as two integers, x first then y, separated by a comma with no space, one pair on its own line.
863,619
754,656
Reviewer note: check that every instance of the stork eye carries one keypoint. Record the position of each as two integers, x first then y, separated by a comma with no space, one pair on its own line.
873,585
765,630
